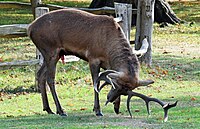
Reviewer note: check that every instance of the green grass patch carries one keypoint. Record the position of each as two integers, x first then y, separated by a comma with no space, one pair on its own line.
188,11
69,3
15,16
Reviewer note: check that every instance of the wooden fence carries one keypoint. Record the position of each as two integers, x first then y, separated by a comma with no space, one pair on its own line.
19,30
123,15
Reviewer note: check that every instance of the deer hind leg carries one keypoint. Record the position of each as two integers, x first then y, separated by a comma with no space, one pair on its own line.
51,70
41,77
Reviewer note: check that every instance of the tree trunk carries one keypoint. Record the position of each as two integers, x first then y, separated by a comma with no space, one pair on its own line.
162,10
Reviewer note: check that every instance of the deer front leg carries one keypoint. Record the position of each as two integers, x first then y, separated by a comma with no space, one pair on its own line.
95,69
117,105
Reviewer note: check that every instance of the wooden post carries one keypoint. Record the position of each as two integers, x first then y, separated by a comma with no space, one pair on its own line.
39,11
34,5
144,28
124,11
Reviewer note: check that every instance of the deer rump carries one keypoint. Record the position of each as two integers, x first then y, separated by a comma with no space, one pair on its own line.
99,40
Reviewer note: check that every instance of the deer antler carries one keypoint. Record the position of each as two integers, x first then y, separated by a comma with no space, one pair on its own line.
147,100
103,76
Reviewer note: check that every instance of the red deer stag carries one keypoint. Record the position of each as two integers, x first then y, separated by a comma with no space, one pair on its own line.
93,38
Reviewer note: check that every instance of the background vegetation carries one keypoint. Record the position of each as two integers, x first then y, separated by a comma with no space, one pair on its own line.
175,69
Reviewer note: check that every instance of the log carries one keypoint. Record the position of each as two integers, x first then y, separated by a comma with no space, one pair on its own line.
164,14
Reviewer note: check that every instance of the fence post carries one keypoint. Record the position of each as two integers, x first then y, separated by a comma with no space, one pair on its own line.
144,28
39,11
125,12
34,4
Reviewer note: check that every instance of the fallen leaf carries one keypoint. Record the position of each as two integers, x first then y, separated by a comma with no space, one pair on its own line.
150,95
179,77
183,71
165,72
9,116
74,68
174,65
165,52
152,72
137,110
24,93
83,109
70,104
160,118
74,109
9,97
20,110
1,60
87,79
193,99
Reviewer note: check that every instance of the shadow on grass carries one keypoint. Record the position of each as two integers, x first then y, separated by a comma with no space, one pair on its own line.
74,121
19,89
178,67
186,9
88,120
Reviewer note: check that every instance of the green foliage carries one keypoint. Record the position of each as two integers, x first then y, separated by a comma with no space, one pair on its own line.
175,69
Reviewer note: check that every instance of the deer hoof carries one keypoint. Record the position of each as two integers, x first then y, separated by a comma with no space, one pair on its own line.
48,111
63,114
99,114
116,110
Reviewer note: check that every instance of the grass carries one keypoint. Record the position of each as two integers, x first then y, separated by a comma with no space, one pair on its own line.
175,69
192,9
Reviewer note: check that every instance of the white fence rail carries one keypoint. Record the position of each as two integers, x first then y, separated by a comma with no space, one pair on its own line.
15,30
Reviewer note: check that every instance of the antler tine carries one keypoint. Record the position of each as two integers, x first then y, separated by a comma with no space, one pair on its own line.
128,105
130,95
102,86
166,107
147,100
103,76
